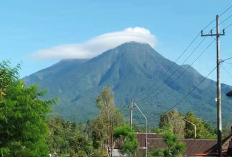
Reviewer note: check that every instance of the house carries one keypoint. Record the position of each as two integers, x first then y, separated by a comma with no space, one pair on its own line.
198,147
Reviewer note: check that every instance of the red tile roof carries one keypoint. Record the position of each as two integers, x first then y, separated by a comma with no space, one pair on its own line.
198,146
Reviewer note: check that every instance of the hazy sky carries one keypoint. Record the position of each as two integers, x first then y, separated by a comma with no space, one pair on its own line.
40,33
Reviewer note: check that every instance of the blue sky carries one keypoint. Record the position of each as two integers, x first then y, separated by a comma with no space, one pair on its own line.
27,27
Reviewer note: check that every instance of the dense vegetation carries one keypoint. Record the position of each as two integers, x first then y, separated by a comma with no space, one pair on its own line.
130,69
173,148
128,137
183,126
26,130
22,116
70,139
97,138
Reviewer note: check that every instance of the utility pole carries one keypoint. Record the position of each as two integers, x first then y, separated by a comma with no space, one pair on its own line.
146,127
219,111
131,113
195,134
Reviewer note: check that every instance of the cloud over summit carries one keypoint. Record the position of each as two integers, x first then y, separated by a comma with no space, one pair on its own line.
97,45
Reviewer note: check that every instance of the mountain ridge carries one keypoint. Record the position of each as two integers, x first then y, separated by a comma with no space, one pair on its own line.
130,69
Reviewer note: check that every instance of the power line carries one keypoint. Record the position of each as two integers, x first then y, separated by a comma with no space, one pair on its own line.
228,26
226,9
203,104
177,59
186,50
177,68
226,71
186,95
188,56
213,69
170,66
219,102
223,22
181,73
230,6
226,19
226,59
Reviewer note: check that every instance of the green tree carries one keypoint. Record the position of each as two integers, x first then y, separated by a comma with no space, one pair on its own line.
59,134
8,76
128,138
174,148
81,145
175,119
165,129
227,130
109,117
22,116
204,130
70,139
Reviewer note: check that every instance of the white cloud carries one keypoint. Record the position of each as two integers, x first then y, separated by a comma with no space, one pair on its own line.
97,45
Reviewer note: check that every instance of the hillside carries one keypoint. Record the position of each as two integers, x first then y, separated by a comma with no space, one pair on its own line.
129,69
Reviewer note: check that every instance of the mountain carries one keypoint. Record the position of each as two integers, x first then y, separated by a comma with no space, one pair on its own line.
130,69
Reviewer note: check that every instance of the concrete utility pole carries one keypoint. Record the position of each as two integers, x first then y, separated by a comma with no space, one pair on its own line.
219,111
195,133
146,126
131,113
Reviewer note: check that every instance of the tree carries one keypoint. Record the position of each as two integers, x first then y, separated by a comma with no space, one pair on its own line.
204,130
22,116
128,138
174,148
8,76
109,117
175,119
81,145
70,139
165,129
227,130
59,134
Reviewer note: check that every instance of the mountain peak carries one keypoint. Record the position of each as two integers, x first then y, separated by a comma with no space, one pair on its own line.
129,51
130,69
135,43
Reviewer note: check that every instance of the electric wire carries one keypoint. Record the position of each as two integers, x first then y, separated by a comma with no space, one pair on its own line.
169,67
186,50
179,75
195,87
226,19
226,71
221,22
227,59
185,96
228,26
176,60
203,104
230,6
